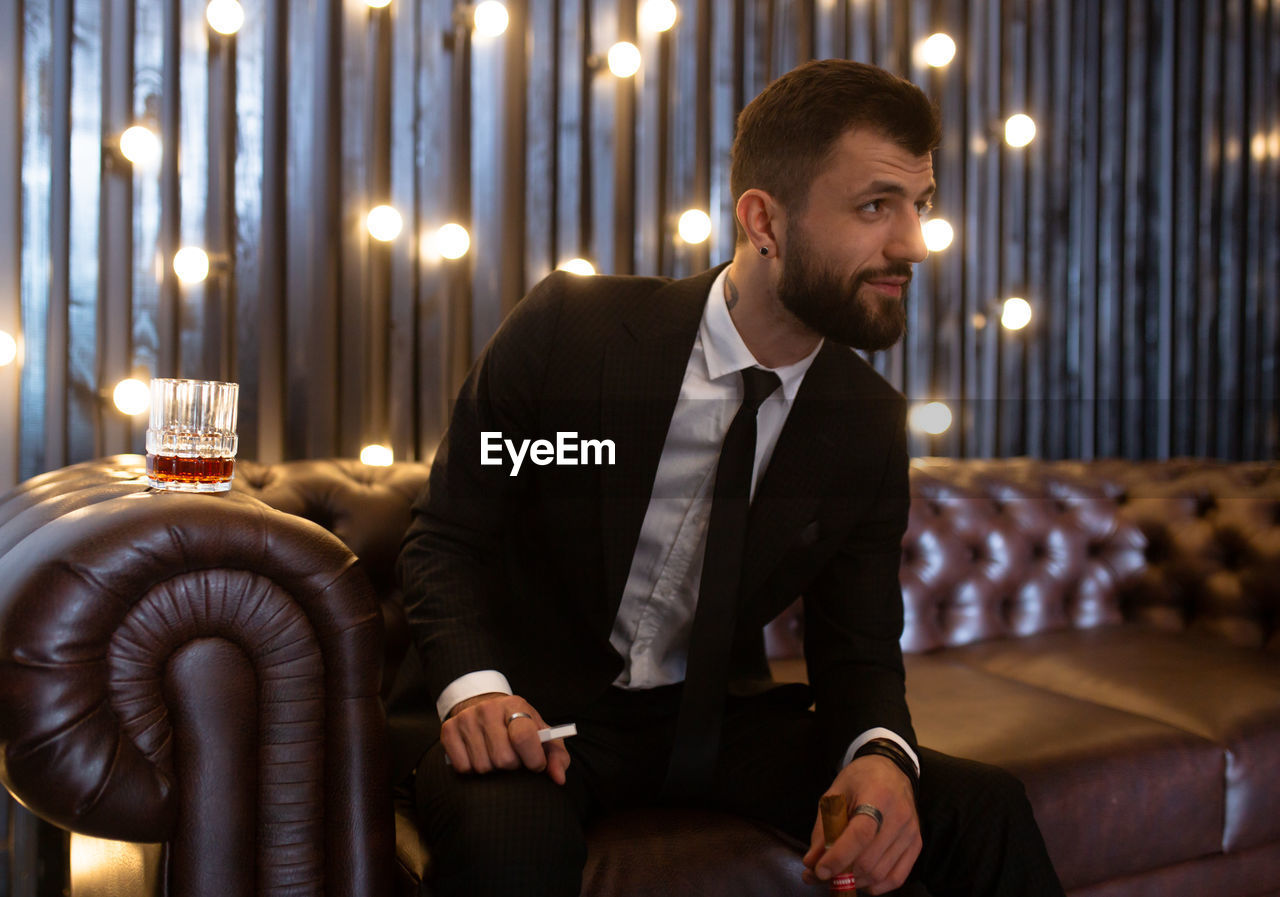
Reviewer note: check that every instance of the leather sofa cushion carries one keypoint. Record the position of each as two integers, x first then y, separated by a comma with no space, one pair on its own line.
1249,872
1087,768
1197,684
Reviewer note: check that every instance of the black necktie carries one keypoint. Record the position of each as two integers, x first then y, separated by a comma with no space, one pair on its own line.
697,737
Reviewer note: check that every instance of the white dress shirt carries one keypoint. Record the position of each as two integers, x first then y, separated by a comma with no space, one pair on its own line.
651,630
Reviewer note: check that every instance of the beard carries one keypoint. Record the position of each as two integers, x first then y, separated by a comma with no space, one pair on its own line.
839,308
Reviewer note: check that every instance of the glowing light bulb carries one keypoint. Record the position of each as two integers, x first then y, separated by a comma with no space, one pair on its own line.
938,234
579,266
694,226
225,16
378,4
1258,146
141,146
1019,130
452,241
491,18
938,49
132,396
191,264
932,418
8,348
658,15
1016,313
377,455
384,223
624,59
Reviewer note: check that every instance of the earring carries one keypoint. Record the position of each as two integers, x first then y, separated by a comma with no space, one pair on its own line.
764,250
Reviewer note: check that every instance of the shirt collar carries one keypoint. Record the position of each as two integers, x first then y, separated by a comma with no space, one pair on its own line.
726,353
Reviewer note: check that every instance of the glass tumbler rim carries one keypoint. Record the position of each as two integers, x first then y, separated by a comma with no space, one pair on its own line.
193,380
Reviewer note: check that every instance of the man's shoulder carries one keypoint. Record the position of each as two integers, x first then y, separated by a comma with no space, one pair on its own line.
563,304
565,288
858,377
592,307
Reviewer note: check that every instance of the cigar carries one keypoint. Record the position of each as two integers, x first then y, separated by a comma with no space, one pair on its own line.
835,816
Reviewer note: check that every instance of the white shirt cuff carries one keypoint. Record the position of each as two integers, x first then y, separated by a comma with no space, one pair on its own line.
481,682
871,735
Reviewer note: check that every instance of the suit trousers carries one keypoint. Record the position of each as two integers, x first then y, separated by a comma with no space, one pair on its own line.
519,832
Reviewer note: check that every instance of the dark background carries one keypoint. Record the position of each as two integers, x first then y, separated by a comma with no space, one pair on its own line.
1142,224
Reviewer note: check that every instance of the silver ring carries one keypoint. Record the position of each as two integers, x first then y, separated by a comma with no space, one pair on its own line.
517,715
868,810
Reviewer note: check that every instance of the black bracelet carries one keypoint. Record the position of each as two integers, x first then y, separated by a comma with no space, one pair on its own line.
884,747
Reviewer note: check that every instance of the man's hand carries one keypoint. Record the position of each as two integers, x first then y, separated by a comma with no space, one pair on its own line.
476,738
880,862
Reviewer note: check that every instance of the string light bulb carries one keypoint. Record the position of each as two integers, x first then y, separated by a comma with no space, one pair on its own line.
140,145
452,241
658,15
624,59
1016,313
937,50
694,226
191,264
378,4
1258,146
1019,130
579,266
491,18
938,234
131,396
224,16
8,348
377,455
384,223
933,418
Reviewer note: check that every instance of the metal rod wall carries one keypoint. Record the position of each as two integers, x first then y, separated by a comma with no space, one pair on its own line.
1142,224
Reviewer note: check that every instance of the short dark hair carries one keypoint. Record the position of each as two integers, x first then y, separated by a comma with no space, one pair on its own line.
787,132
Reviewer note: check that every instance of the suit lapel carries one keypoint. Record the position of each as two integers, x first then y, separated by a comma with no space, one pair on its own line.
644,367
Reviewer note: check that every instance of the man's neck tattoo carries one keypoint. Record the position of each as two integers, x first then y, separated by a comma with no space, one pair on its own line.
733,294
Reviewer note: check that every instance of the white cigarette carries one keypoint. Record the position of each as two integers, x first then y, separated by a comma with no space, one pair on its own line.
554,732
544,735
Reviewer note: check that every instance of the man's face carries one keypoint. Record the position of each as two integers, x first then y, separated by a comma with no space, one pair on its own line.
849,251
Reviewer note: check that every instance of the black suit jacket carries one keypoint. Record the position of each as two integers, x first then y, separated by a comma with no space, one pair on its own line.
524,574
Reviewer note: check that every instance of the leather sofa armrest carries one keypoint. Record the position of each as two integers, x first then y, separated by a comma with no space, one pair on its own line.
194,669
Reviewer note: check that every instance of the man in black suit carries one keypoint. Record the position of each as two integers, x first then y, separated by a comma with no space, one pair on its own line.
604,591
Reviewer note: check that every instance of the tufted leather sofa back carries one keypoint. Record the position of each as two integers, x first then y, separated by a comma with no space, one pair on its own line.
1183,544
998,549
994,548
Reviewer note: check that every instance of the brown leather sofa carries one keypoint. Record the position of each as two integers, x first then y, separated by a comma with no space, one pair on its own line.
208,674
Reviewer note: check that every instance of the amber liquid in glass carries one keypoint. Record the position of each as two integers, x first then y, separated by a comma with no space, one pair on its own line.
172,469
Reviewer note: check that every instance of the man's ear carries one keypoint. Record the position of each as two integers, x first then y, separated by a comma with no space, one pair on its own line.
761,218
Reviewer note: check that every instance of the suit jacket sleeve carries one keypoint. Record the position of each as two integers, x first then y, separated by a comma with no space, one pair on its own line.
854,618
450,561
